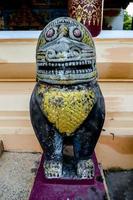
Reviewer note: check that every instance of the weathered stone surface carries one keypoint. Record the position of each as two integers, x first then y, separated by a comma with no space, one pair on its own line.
17,172
120,184
67,106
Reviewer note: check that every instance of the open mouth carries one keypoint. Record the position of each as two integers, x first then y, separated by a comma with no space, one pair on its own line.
74,69
65,75
74,66
66,72
66,61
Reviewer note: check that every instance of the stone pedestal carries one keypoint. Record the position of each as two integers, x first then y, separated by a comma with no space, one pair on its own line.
68,189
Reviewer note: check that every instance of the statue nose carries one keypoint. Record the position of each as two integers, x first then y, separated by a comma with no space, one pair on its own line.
62,46
62,55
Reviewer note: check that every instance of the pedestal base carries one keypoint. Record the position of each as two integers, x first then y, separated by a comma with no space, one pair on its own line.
68,189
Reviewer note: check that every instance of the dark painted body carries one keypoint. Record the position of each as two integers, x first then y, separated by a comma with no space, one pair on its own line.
84,138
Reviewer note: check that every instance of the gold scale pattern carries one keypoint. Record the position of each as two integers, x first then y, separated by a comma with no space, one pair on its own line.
66,109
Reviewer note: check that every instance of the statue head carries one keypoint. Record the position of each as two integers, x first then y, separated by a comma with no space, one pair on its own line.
65,53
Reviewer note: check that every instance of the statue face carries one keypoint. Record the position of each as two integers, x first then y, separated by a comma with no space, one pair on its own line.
65,53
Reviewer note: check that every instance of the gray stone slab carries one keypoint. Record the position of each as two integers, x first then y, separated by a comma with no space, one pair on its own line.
120,184
17,172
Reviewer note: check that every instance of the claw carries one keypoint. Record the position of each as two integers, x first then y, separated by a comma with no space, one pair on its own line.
85,169
53,169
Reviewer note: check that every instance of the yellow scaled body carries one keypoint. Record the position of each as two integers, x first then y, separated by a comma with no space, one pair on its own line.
66,108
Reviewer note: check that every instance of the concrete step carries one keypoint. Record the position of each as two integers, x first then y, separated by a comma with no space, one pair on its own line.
114,57
115,146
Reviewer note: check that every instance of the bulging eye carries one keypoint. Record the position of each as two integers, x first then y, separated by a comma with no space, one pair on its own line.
51,34
75,33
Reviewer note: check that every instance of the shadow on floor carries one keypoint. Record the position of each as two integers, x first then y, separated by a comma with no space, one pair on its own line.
120,184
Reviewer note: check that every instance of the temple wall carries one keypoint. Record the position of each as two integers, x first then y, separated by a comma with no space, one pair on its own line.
17,79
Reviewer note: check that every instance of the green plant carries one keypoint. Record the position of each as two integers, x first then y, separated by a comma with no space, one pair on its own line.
127,21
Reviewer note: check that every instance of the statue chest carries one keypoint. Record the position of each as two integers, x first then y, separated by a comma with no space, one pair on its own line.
66,107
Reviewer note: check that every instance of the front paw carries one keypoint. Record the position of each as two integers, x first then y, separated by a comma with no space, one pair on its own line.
53,169
85,169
